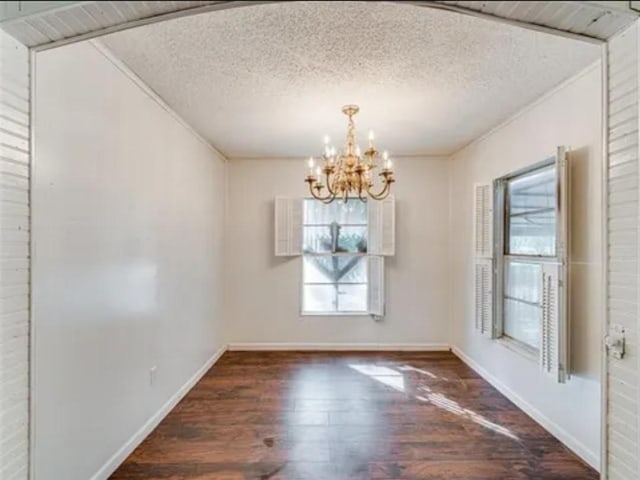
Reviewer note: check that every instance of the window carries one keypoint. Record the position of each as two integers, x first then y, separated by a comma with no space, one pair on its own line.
335,266
521,240
526,221
343,246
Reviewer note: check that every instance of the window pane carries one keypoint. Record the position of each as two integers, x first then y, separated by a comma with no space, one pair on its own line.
319,298
532,213
352,298
353,212
522,301
334,284
334,239
338,269
522,322
523,281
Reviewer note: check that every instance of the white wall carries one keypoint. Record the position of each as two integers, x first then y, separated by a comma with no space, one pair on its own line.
623,277
14,258
264,290
571,115
128,208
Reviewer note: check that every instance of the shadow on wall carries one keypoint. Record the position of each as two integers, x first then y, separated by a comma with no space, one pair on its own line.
585,264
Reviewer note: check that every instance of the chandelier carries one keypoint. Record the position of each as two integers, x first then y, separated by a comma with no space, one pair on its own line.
351,172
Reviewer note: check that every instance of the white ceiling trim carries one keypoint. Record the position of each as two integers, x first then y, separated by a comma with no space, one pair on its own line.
84,20
531,106
155,97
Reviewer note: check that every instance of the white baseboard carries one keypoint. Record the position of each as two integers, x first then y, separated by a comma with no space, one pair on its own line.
592,458
417,347
127,449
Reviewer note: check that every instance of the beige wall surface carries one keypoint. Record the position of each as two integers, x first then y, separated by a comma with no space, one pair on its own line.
128,210
571,116
263,291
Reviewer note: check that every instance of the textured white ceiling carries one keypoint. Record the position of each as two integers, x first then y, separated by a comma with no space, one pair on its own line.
269,80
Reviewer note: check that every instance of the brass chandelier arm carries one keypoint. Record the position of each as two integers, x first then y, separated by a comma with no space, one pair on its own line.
315,195
331,191
330,197
360,189
362,199
384,193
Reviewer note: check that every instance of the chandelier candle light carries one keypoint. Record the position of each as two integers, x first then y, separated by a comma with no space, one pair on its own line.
351,172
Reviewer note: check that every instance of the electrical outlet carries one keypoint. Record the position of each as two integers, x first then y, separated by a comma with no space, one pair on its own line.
153,373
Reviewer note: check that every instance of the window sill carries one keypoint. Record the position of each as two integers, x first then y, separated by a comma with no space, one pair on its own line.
520,348
334,254
334,314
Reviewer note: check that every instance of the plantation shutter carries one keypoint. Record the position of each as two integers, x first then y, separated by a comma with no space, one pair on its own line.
288,226
550,332
375,264
555,342
381,226
483,275
484,296
388,233
483,218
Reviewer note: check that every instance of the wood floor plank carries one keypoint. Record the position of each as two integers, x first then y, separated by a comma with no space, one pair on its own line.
348,416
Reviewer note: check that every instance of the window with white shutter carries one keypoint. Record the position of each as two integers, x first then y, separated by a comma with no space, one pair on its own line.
382,226
483,275
288,227
483,220
342,245
531,288
337,274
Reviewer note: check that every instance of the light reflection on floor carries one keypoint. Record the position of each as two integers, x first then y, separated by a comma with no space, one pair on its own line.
409,368
395,379
384,375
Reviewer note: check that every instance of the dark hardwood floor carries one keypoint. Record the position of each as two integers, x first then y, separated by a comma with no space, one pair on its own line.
348,415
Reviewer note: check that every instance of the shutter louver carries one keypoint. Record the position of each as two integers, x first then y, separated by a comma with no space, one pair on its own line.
553,331
281,227
388,224
296,219
483,207
484,297
288,227
375,265
483,277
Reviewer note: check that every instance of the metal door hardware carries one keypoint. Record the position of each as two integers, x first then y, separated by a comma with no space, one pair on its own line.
615,341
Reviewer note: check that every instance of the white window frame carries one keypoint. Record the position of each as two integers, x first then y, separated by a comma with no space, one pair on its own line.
500,249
